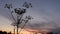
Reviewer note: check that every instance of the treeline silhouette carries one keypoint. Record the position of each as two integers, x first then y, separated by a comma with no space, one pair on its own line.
4,32
52,33
49,32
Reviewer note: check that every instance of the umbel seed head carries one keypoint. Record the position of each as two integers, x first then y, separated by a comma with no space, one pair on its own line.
19,11
27,5
8,6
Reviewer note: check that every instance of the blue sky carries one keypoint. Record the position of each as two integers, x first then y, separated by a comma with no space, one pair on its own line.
46,14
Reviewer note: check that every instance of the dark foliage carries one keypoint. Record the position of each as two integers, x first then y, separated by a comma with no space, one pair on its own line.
50,33
4,32
9,33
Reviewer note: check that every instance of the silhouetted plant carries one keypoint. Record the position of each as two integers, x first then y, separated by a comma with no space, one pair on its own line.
9,33
4,32
50,33
1,32
20,12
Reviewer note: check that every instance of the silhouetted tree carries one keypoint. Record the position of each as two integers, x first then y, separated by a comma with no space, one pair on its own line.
1,32
4,32
9,33
50,33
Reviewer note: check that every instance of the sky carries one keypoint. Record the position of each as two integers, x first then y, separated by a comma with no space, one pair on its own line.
46,14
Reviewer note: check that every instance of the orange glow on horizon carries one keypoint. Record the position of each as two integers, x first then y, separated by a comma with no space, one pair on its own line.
27,31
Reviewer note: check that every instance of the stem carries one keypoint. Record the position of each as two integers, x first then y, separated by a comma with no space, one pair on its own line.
12,15
14,29
17,29
23,26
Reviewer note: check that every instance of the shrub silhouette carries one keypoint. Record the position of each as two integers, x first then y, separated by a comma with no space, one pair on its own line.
50,33
4,32
9,33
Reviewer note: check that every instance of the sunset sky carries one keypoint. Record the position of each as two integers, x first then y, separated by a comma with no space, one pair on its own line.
46,14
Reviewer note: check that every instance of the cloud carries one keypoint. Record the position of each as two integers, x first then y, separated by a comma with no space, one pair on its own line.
57,30
42,26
